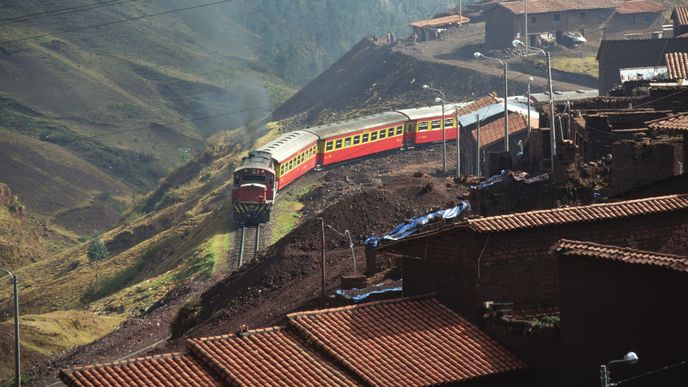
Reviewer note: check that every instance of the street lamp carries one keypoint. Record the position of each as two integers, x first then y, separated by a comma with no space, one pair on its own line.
479,55
17,364
444,140
605,378
552,140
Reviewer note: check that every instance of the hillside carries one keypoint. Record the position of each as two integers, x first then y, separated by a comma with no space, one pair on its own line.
20,236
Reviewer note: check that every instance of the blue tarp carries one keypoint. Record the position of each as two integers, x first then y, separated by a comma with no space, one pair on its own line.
361,297
505,175
408,228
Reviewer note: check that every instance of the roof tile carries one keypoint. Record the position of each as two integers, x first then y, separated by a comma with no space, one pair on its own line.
494,131
409,341
680,15
676,123
478,104
587,213
440,21
272,356
567,248
161,370
677,65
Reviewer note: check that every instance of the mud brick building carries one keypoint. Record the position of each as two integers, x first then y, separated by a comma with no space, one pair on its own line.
615,300
506,258
677,124
638,162
409,341
596,20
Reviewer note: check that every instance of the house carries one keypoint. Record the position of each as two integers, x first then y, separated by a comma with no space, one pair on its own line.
614,56
432,28
413,341
550,20
676,124
506,258
620,299
679,18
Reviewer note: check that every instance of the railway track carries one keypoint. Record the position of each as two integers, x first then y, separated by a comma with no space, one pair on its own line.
249,240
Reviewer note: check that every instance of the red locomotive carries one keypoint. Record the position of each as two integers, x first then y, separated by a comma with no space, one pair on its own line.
272,167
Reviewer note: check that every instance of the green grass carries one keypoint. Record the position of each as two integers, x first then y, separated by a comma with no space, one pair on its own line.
287,211
586,65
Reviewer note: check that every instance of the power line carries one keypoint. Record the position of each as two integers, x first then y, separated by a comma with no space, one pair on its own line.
67,30
62,11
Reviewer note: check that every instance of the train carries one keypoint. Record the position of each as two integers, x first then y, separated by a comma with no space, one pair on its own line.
267,170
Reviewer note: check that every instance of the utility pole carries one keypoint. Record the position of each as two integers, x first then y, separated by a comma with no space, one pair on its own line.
322,262
477,153
553,133
525,38
530,79
17,346
460,7
506,110
458,143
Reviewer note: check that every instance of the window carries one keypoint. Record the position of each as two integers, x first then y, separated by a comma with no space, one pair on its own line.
328,146
254,178
532,20
338,144
357,139
400,130
448,122
423,125
633,21
347,141
557,17
390,132
383,133
364,138
373,136
436,124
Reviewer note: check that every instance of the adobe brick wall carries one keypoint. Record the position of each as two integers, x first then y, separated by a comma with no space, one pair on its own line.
610,308
517,266
637,163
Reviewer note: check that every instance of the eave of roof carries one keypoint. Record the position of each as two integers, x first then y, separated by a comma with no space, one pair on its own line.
677,123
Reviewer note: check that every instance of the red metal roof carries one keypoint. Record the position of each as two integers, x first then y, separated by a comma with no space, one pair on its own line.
262,357
677,123
479,104
162,370
440,21
549,6
677,65
494,131
590,213
621,254
680,16
411,341
639,6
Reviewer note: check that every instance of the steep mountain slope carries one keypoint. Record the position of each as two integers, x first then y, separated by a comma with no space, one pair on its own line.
20,237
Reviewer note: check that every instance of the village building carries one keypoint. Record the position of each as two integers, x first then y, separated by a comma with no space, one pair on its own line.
679,17
549,21
414,341
431,29
620,299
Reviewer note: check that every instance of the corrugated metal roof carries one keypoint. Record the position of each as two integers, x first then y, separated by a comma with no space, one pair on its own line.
431,111
440,21
367,122
548,6
495,109
287,144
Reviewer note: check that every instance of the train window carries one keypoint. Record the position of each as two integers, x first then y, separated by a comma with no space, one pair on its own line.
338,144
423,125
254,178
373,136
357,139
436,124
328,146
347,141
448,122
400,130
390,132
383,133
364,138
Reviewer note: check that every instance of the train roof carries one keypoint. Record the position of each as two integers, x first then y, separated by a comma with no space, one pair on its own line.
367,122
430,111
256,160
288,144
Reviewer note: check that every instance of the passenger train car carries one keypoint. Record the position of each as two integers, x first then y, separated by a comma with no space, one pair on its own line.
272,167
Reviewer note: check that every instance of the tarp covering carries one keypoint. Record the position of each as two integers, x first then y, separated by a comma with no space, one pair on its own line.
405,229
505,175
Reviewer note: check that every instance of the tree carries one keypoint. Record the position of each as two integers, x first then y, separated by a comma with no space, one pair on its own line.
97,251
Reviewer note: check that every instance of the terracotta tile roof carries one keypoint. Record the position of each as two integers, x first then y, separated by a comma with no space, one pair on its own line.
590,213
567,248
162,370
440,21
478,104
639,6
272,356
494,131
547,6
677,65
680,16
676,123
409,341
